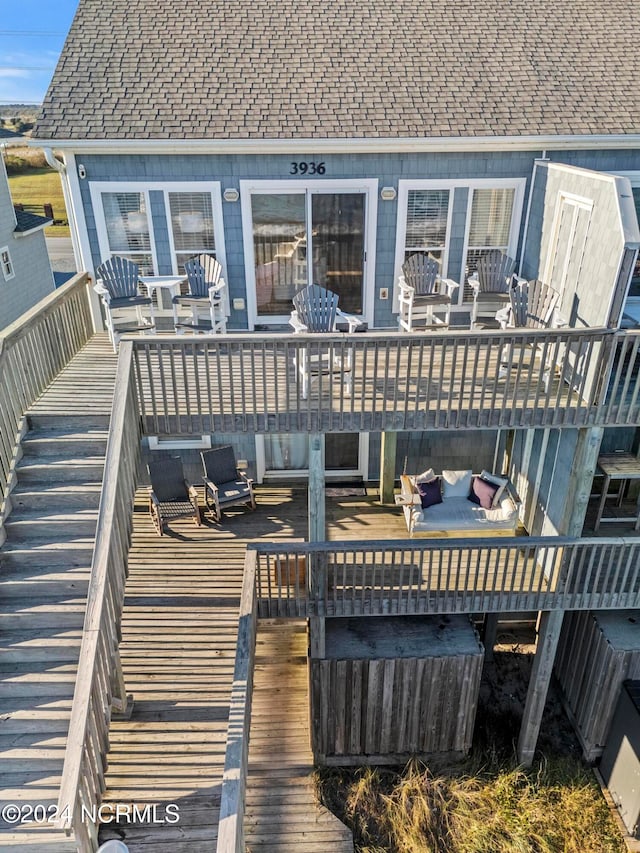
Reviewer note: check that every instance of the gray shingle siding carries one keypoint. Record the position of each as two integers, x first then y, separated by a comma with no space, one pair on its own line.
230,69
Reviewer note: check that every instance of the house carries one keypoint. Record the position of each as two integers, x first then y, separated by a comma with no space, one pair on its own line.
304,148
26,272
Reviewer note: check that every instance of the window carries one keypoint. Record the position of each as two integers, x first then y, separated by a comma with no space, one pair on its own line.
127,226
456,221
191,223
7,264
427,220
489,227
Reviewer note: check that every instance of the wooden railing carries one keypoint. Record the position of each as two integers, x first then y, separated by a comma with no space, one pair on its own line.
446,576
234,780
453,380
33,350
99,683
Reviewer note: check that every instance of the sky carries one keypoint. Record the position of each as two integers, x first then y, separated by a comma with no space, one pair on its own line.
32,33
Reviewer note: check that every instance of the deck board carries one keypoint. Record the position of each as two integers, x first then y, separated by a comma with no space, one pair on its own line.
179,632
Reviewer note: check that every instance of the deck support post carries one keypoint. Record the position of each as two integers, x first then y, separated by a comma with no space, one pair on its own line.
388,445
585,461
489,634
317,533
549,627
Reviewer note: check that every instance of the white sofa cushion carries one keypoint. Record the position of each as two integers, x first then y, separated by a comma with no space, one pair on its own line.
456,484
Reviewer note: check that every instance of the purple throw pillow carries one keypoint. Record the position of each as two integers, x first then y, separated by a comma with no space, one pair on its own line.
430,493
482,492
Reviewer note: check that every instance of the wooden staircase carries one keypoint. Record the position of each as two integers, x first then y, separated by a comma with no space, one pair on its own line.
44,575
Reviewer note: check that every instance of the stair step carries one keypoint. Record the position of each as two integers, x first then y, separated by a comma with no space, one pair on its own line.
47,584
61,470
34,840
44,443
32,647
43,420
53,524
72,554
18,613
60,495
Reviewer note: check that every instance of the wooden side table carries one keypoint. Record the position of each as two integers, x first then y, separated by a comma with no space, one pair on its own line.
622,467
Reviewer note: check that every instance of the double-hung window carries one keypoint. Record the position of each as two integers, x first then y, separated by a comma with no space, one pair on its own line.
191,223
490,226
7,264
127,226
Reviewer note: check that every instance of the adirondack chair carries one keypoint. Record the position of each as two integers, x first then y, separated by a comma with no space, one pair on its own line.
422,294
491,283
170,495
117,285
315,309
205,301
224,484
532,304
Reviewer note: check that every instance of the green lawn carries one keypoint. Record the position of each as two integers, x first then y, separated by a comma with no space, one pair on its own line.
35,187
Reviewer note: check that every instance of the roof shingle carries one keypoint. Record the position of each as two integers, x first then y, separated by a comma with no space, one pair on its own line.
268,69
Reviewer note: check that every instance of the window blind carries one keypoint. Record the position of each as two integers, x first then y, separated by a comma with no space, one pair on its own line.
427,217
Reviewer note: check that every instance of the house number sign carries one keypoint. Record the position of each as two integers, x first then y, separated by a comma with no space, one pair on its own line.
305,168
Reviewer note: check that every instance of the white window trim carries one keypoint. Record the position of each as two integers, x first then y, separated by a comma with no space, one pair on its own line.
361,471
368,186
517,184
215,191
12,274
96,188
404,187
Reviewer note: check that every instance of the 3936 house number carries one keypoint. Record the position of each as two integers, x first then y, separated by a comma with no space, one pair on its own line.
305,168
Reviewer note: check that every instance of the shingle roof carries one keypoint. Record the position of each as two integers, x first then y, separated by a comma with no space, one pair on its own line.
28,221
233,69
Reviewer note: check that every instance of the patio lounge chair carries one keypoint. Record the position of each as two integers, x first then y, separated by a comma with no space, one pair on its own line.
117,284
422,294
315,309
224,484
205,300
491,283
170,495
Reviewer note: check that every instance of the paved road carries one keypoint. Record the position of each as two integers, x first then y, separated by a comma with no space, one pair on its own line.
61,257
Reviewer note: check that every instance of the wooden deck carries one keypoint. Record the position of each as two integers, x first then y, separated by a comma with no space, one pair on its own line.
178,649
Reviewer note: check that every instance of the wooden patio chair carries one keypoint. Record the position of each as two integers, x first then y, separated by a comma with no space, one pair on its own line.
205,299
170,495
532,304
315,310
491,284
117,283
423,294
224,484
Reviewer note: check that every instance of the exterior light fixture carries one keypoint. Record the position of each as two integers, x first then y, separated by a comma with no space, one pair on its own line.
82,172
231,195
388,193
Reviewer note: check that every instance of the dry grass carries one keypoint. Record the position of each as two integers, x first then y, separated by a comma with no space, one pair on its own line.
33,183
555,808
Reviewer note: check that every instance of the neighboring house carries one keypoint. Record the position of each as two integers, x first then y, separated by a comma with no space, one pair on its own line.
25,274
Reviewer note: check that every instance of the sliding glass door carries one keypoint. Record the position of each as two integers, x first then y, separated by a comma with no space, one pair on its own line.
305,235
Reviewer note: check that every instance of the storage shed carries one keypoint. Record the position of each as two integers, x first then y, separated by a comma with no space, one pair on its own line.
391,687
597,651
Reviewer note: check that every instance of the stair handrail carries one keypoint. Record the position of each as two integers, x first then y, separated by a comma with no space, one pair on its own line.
33,350
99,685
